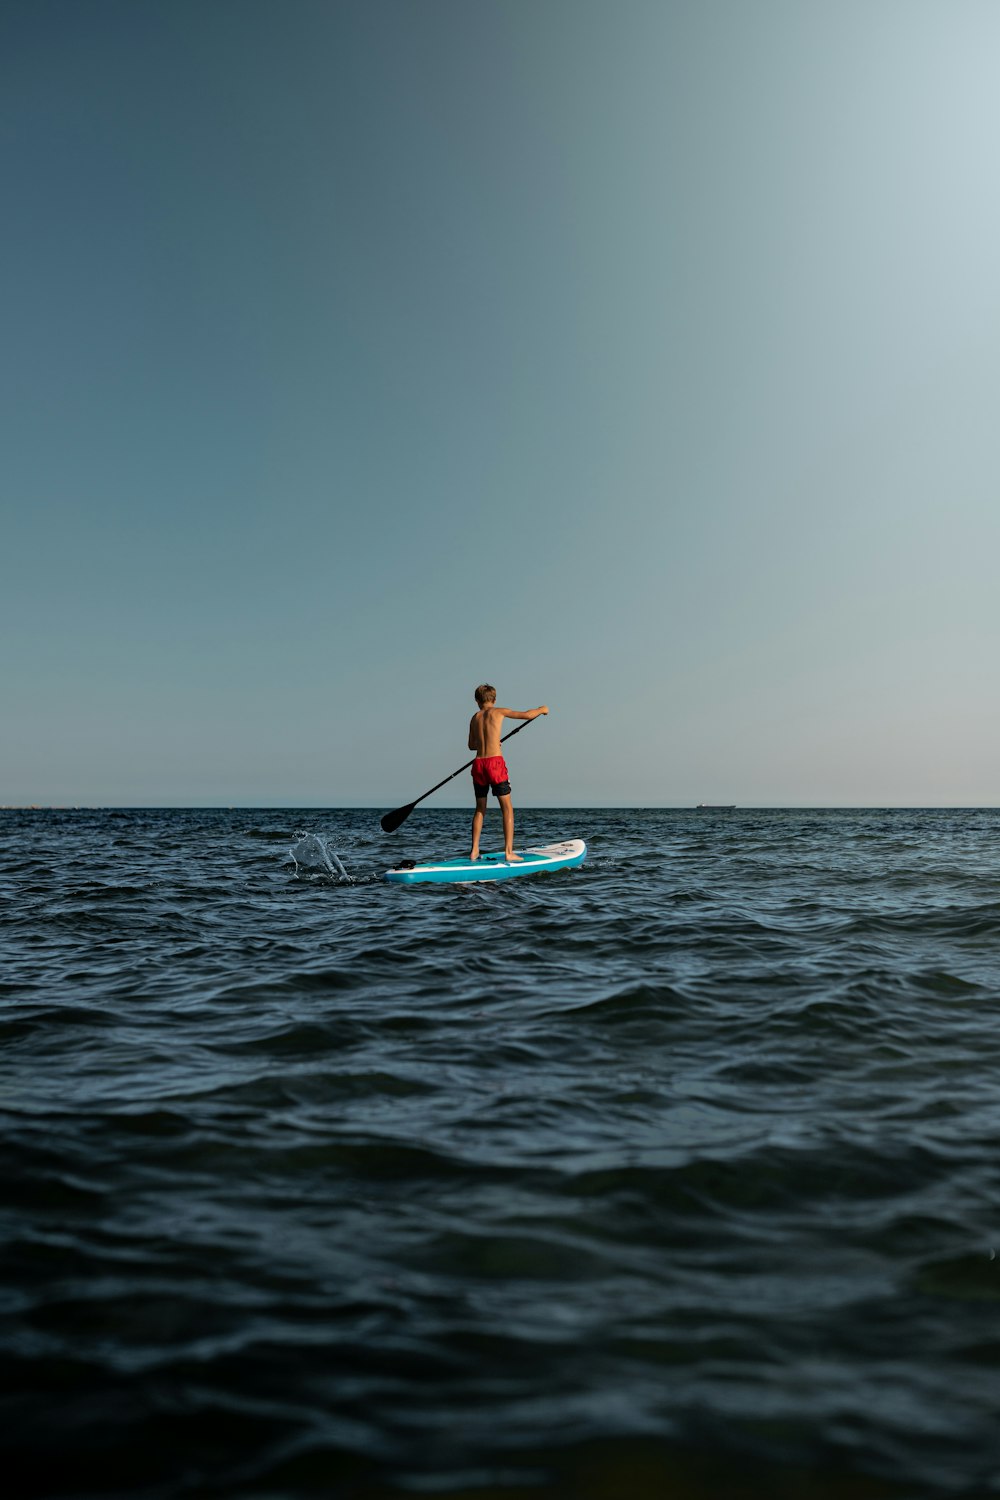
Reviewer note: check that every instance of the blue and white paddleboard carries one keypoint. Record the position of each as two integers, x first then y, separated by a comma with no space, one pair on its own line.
493,866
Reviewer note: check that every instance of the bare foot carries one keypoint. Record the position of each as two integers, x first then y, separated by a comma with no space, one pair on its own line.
474,854
514,859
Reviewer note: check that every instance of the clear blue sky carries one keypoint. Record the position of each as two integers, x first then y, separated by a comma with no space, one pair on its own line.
639,357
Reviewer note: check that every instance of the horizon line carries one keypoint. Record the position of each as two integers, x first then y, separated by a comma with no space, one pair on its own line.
525,806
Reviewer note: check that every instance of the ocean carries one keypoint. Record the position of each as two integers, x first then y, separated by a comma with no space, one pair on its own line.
675,1175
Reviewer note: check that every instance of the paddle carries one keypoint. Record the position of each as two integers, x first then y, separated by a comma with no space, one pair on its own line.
392,820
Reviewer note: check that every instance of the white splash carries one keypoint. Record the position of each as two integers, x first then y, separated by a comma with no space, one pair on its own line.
311,853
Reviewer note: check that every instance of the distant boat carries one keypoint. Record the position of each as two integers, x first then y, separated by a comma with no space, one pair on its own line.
716,807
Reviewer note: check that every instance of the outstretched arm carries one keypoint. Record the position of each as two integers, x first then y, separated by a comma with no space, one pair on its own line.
524,713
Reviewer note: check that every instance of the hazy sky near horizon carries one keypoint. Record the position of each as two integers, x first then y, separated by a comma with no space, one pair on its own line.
640,357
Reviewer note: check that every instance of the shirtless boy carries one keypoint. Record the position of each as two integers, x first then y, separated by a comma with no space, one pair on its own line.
489,769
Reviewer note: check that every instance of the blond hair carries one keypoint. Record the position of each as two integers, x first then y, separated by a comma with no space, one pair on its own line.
485,694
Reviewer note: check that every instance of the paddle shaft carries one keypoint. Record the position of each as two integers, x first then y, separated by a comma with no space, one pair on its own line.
392,820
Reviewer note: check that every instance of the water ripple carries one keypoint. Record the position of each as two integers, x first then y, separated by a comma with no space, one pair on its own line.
674,1174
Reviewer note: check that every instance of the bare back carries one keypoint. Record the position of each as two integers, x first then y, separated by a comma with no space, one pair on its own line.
485,729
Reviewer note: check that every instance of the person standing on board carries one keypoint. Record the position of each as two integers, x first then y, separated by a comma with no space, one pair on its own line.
489,769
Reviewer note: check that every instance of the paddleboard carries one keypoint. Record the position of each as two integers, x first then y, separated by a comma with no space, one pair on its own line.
492,866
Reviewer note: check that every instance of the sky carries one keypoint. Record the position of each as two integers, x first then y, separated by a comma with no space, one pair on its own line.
639,357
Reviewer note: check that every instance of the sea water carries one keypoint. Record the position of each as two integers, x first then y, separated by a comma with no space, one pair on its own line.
677,1174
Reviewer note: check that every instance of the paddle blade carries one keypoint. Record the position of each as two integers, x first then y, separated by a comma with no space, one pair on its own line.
391,821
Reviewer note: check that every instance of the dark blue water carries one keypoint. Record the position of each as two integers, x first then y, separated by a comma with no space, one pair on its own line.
675,1175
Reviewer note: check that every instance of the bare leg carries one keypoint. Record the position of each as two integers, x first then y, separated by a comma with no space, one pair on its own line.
477,825
507,810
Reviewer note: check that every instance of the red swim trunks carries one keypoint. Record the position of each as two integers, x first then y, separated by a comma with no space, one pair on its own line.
490,771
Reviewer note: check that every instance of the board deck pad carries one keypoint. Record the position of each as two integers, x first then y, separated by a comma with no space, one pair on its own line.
493,866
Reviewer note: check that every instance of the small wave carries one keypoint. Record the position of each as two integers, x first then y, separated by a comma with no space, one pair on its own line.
633,1002
299,1038
317,982
982,921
